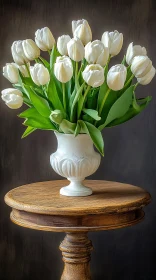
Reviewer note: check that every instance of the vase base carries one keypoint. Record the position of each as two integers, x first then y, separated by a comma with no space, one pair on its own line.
76,189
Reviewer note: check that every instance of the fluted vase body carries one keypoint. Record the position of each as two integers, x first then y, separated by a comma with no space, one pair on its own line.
75,159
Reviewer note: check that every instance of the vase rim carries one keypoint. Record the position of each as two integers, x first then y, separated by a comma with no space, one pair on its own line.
71,134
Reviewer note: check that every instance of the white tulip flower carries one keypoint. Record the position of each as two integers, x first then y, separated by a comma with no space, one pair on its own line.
113,41
44,39
62,42
31,50
96,53
75,49
93,75
133,51
23,69
145,80
141,65
63,69
39,74
82,30
116,77
18,53
13,98
10,72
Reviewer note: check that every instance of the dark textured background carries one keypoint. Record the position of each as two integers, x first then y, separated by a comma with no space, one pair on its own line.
130,155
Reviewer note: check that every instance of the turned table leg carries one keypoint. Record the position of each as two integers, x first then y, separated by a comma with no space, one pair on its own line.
76,250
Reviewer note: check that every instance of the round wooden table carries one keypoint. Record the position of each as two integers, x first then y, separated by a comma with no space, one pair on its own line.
112,205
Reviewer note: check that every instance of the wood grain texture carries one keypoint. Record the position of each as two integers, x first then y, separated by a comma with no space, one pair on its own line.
40,206
76,250
108,197
112,205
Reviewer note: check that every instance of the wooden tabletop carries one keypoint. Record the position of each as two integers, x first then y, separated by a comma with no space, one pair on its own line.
112,205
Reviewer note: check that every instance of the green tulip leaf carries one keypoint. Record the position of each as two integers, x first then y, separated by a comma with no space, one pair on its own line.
75,100
92,98
95,135
77,129
54,54
67,127
92,113
37,101
120,107
132,112
45,62
28,131
40,123
52,95
29,113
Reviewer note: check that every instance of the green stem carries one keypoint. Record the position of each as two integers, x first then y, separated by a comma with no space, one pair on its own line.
108,59
76,69
129,80
84,98
64,96
80,70
75,100
136,85
103,102
49,52
26,65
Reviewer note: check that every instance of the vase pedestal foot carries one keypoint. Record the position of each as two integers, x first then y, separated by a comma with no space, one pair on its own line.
76,188
76,250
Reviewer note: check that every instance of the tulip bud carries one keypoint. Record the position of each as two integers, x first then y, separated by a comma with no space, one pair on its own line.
145,80
93,75
63,69
81,29
75,49
116,77
10,72
23,69
18,53
141,65
62,44
39,74
57,116
13,98
44,39
31,50
96,53
133,51
113,41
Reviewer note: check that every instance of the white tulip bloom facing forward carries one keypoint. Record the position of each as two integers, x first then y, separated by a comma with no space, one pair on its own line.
75,49
113,41
62,42
95,52
116,77
13,98
10,72
44,39
93,75
133,51
31,50
141,65
18,53
82,30
39,74
145,80
63,69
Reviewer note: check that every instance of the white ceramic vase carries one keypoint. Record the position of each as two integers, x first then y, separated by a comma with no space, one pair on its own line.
75,159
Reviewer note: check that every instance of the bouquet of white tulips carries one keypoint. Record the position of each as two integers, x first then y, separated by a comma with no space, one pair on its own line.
76,91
